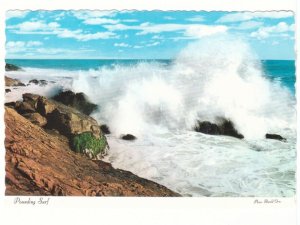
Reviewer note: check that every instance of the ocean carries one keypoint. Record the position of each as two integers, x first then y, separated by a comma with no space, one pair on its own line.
159,101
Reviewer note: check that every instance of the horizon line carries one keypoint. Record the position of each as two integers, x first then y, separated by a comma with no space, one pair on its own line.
114,59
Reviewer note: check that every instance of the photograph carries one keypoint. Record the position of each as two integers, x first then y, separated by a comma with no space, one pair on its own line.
150,103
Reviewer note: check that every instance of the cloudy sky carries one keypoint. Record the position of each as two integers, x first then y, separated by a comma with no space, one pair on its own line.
141,34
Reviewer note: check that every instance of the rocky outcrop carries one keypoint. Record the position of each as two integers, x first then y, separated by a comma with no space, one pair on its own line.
11,67
275,137
78,101
12,82
40,163
128,137
38,82
225,127
105,129
69,122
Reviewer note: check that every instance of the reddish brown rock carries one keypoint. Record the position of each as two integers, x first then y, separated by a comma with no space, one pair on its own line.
36,118
39,163
12,82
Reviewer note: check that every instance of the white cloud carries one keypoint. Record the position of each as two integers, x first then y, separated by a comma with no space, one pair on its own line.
95,21
87,14
169,18
34,43
190,30
21,46
53,28
92,17
138,46
79,35
129,20
34,26
275,43
248,25
203,30
123,45
153,44
16,14
196,19
157,37
265,32
244,16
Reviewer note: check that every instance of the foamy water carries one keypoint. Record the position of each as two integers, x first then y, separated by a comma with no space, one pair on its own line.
160,104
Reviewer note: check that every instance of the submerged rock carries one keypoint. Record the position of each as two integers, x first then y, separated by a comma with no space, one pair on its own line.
128,137
38,82
207,128
275,137
225,127
78,101
11,67
105,129
12,82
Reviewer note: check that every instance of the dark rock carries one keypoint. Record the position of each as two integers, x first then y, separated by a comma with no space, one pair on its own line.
11,67
275,137
105,129
128,137
12,82
7,90
10,104
225,127
207,128
76,100
38,82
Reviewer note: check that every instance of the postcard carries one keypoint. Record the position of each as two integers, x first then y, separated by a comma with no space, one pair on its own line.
192,105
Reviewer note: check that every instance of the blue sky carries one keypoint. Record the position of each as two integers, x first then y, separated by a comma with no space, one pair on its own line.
141,34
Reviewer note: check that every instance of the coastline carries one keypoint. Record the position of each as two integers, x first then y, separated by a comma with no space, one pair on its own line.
40,161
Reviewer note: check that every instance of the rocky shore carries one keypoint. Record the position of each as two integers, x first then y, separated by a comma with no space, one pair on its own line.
53,147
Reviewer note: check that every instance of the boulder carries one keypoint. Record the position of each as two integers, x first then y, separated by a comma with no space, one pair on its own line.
36,118
66,120
11,67
128,137
78,101
105,129
12,82
24,107
31,99
45,107
207,128
275,137
225,127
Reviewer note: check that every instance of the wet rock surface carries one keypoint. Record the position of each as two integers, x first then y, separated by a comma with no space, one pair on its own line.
10,82
78,101
225,127
275,137
42,163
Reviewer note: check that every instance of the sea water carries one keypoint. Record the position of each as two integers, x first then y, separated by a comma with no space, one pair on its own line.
159,101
